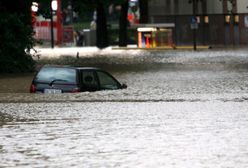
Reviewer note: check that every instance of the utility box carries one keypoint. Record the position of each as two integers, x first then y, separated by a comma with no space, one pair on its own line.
89,37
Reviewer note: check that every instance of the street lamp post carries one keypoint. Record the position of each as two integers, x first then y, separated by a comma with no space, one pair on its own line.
194,30
34,9
54,7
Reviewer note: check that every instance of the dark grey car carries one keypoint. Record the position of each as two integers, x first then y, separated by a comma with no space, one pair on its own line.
66,79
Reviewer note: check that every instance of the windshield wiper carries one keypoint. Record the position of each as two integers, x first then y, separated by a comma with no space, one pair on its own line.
55,80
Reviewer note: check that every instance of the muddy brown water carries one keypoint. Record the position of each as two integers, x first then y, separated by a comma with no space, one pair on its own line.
15,83
169,116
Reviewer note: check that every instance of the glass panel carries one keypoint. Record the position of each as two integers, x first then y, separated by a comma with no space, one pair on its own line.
89,81
106,81
51,73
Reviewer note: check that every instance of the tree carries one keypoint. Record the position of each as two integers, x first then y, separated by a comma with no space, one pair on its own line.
123,24
101,22
101,28
143,5
16,36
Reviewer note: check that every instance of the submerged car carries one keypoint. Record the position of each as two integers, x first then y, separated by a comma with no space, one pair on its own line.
66,79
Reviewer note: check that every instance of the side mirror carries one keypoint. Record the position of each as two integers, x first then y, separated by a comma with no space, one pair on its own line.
123,86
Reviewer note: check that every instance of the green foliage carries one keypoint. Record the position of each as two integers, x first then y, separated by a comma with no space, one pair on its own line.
81,25
15,39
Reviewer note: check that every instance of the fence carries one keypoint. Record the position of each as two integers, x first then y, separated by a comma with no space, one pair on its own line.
42,31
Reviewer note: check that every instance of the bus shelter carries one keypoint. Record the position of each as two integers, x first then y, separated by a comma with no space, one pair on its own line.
155,35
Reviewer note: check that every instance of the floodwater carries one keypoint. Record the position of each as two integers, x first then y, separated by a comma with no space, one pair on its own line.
15,83
171,115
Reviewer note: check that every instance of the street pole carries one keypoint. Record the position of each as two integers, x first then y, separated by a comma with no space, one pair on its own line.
59,22
52,34
194,29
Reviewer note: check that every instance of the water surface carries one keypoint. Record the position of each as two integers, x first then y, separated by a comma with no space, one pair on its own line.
178,111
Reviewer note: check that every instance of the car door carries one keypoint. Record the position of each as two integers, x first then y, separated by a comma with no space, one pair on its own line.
88,80
107,81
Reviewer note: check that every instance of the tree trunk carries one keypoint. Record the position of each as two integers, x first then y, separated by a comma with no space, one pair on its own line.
123,25
101,28
143,5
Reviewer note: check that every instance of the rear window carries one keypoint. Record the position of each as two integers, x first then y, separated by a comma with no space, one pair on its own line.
49,74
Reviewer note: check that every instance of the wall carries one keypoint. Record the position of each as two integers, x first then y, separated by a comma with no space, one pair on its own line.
168,7
214,7
216,32
242,6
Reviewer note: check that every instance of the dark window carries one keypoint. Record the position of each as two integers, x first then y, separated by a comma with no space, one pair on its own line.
89,81
61,74
107,81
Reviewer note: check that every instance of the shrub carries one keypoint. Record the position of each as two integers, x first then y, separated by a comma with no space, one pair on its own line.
15,39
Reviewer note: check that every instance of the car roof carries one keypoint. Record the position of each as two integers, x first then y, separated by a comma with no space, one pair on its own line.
71,67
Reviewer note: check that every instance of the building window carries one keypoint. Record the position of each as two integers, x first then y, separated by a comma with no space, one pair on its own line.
206,19
227,19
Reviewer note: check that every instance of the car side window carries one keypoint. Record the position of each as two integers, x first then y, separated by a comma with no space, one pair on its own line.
89,82
106,81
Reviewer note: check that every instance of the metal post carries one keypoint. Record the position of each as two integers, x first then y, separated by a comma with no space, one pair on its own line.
52,34
194,30
59,23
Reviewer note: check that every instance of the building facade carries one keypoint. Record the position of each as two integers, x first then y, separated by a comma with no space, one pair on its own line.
219,22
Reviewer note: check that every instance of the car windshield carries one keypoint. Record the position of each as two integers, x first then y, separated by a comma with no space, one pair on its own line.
50,74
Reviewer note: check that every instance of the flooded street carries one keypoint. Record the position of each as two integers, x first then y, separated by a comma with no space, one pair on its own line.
147,134
178,111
